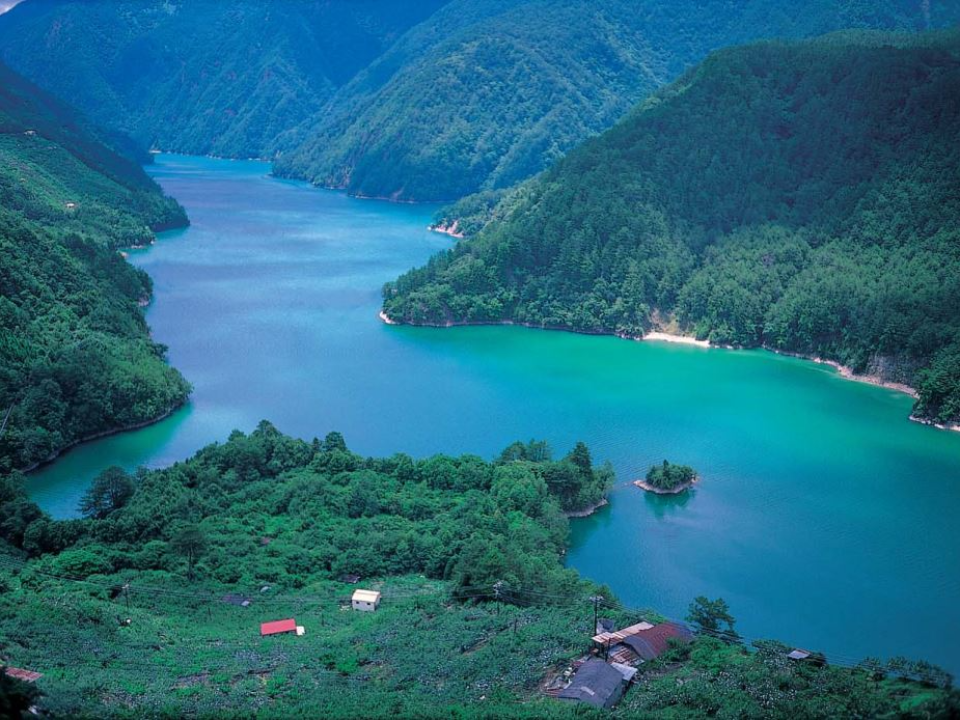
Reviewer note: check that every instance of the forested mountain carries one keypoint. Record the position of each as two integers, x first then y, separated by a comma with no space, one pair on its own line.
801,195
414,101
488,92
200,76
161,588
75,355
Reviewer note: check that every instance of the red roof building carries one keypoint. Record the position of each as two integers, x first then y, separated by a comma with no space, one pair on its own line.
278,626
21,674
649,644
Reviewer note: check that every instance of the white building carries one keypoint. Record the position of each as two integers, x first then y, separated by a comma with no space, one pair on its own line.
366,600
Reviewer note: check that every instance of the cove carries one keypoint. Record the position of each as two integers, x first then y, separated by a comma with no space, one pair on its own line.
825,518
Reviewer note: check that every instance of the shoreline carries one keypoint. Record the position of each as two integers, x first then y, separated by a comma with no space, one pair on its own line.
845,372
453,230
587,511
683,487
99,436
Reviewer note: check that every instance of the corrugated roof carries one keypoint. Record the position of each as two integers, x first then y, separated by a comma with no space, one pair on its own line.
595,683
370,596
614,637
650,644
21,674
278,626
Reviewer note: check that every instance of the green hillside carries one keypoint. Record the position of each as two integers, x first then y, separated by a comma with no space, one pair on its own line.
800,195
75,355
477,614
486,93
202,77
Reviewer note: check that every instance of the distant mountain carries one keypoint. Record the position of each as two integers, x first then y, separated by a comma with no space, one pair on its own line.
76,358
485,93
802,196
201,76
417,100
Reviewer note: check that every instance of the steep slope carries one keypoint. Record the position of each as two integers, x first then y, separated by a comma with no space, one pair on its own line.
488,92
441,538
802,196
200,76
75,355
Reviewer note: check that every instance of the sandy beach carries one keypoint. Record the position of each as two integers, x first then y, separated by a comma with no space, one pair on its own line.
681,339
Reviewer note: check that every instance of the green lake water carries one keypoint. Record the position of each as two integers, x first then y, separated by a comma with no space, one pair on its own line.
824,517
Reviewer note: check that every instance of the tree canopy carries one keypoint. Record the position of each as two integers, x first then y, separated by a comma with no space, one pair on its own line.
76,358
800,196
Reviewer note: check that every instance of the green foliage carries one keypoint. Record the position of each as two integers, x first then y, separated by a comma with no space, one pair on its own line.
799,195
485,93
267,509
201,77
16,697
712,617
136,636
669,476
110,491
76,358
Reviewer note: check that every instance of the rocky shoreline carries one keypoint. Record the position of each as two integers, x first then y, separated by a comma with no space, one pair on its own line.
587,511
683,487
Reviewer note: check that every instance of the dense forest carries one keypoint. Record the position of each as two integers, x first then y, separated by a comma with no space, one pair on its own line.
201,77
486,93
477,611
417,101
76,358
801,196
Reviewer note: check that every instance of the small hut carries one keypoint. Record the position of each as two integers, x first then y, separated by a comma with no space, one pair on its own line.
365,600
277,627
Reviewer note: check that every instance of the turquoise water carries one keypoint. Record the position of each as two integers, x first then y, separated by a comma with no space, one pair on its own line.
824,518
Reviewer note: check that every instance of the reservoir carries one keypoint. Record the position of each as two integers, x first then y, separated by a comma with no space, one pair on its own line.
825,518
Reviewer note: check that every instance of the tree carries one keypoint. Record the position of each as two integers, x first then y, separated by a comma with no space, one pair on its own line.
189,542
334,441
712,617
16,697
580,456
111,490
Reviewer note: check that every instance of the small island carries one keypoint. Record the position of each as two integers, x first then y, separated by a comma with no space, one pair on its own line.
668,479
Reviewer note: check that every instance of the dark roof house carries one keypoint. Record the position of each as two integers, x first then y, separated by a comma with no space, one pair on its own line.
238,600
650,644
596,683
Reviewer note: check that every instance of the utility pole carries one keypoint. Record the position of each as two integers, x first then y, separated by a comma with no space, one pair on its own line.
596,611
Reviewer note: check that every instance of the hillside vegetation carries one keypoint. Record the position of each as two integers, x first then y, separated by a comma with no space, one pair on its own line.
486,93
801,196
422,100
477,611
202,76
76,358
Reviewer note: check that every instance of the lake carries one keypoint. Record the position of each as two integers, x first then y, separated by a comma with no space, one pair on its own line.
825,518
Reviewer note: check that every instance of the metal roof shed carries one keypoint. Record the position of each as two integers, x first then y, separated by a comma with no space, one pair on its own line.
596,684
278,626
